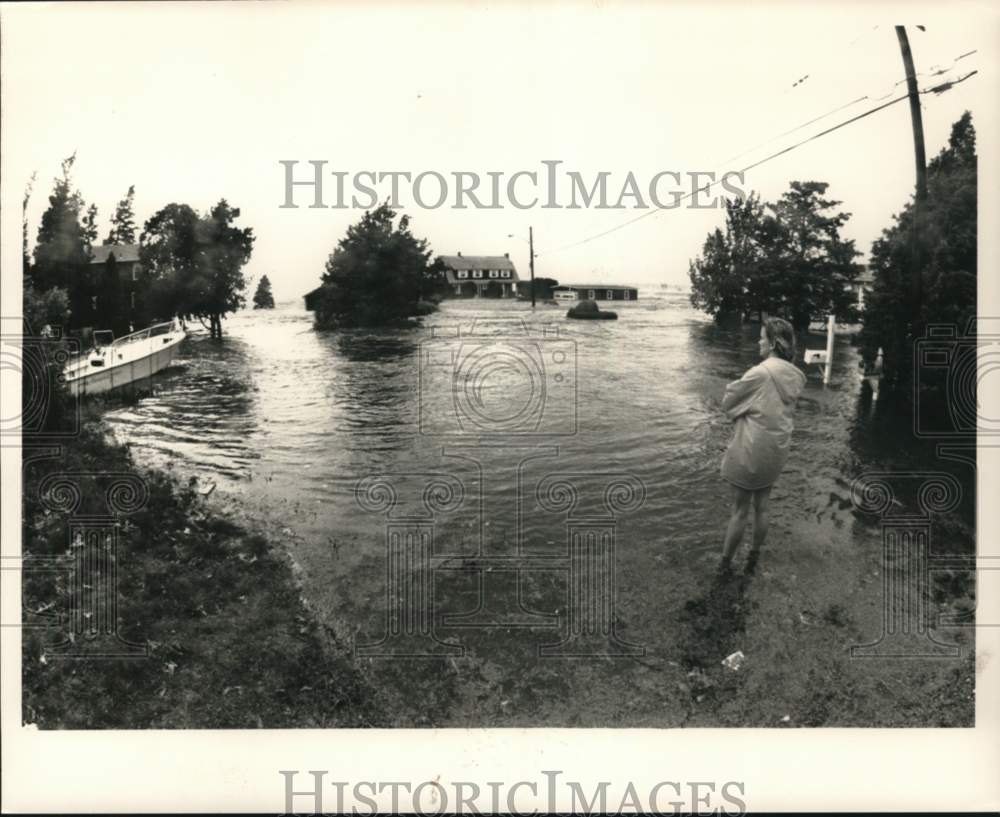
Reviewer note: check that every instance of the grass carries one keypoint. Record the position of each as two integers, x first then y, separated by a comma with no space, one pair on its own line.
231,643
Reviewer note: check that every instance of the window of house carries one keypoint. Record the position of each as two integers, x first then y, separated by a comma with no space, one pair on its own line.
505,273
611,294
133,300
590,294
462,274
477,273
494,273
135,273
628,295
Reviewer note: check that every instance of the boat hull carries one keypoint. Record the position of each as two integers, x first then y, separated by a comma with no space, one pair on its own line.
126,373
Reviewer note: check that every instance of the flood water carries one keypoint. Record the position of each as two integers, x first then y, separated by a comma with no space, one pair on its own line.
302,430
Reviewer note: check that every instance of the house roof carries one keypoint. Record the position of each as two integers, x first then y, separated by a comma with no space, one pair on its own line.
463,262
124,253
467,263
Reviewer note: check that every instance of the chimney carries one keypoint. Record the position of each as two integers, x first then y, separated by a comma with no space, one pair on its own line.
460,255
507,255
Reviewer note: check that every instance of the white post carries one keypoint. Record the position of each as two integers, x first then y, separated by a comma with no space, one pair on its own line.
829,350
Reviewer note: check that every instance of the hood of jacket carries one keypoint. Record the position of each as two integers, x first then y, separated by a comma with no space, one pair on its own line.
788,378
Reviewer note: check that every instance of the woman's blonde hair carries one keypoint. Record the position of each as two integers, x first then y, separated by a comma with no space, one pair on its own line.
781,336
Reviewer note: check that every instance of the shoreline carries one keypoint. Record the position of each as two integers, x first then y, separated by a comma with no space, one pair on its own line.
205,581
232,642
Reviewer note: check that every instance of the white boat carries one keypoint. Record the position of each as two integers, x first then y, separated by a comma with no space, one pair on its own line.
112,363
565,295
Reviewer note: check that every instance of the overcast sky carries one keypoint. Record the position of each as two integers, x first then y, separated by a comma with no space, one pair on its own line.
192,102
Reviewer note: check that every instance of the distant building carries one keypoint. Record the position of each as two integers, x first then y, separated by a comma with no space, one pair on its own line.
126,263
481,276
861,286
311,299
599,292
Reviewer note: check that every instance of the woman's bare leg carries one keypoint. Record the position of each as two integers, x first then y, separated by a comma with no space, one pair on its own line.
737,524
761,506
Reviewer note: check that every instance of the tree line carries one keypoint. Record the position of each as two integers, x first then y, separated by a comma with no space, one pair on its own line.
190,263
784,258
789,258
937,240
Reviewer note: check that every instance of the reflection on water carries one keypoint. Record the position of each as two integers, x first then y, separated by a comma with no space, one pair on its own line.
288,420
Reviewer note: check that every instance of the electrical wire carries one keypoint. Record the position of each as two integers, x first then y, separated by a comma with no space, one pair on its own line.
938,89
930,73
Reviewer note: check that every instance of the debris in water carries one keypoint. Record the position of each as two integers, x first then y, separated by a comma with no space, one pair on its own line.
735,661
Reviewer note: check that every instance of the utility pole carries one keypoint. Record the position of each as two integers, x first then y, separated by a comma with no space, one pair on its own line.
531,263
921,162
918,124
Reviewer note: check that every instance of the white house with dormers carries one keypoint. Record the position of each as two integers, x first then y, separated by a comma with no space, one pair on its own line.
481,276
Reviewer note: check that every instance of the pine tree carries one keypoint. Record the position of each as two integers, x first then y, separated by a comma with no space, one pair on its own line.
62,257
90,226
25,257
940,237
263,298
123,221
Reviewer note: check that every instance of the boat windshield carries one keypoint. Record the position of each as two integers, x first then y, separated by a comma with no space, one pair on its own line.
145,334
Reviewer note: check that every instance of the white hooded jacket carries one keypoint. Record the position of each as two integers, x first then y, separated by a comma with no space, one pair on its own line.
761,405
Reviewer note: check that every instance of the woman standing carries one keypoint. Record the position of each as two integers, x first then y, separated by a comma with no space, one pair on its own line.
761,405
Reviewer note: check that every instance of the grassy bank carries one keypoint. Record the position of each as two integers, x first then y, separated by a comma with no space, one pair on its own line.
231,644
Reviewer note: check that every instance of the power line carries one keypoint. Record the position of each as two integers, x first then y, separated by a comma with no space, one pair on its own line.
941,88
931,73
792,130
